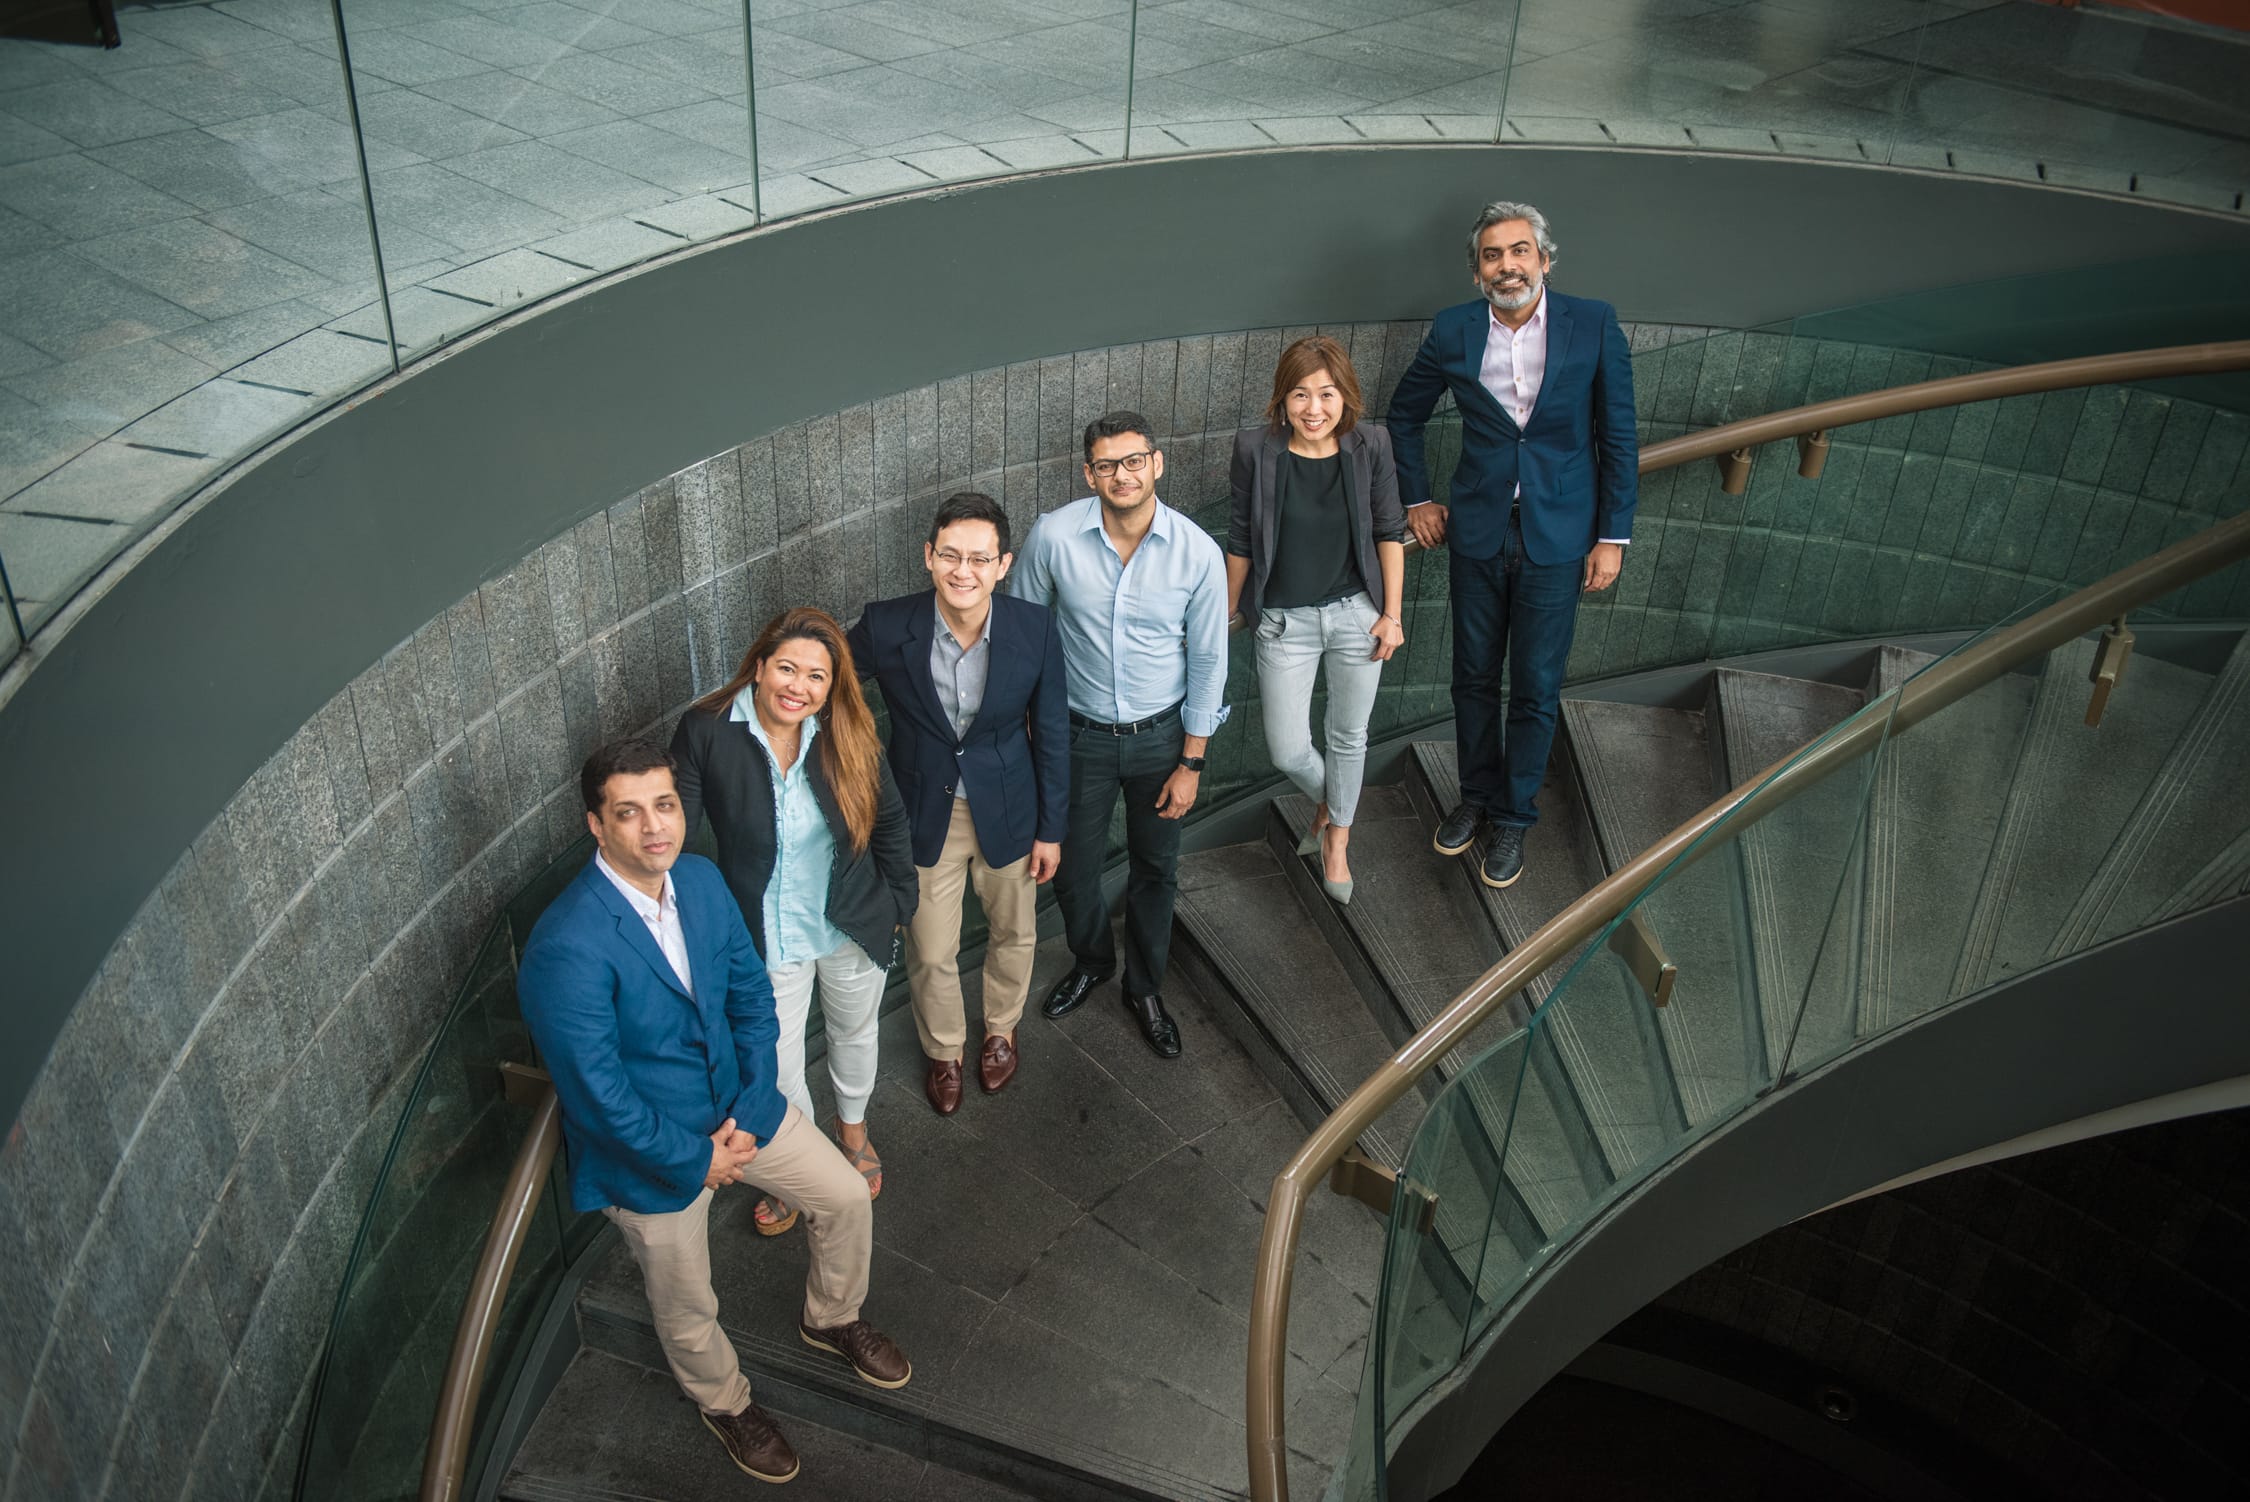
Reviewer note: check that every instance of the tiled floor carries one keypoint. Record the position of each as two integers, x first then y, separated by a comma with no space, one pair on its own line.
185,263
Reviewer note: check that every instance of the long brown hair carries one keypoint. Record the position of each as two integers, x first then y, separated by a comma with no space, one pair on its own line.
1318,352
850,755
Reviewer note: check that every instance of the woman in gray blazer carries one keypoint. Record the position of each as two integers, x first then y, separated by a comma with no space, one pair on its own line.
1317,538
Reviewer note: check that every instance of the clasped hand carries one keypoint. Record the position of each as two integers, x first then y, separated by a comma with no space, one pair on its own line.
731,1152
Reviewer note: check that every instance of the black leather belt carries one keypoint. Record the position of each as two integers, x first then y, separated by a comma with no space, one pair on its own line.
1134,727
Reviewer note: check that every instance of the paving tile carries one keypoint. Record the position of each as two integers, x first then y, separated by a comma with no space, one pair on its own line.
609,244
518,103
691,62
431,127
114,482
319,148
202,269
456,210
80,198
849,34
208,91
408,61
658,156
326,233
511,277
614,85
48,557
557,181
88,114
101,392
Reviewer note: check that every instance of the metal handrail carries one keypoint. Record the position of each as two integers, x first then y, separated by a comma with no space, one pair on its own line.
451,1427
1958,675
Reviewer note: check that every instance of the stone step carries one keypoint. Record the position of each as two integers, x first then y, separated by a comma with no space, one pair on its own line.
1416,923
1604,1053
1306,1016
1801,864
617,1431
2178,838
1646,770
2075,788
1940,790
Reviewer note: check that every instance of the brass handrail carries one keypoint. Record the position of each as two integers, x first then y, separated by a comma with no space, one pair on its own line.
450,1428
1953,678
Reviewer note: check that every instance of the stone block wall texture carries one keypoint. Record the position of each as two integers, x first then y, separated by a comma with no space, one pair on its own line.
2078,1315
179,1194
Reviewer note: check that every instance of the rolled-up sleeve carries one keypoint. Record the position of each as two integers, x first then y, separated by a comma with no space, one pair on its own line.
1205,708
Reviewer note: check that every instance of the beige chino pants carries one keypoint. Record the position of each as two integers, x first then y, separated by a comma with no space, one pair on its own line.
674,1251
933,940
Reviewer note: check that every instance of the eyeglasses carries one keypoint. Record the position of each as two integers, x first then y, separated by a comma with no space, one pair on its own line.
1132,464
951,559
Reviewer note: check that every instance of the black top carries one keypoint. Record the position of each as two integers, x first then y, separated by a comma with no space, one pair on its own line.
722,771
1312,556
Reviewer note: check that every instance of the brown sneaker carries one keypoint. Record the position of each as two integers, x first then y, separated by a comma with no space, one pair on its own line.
997,1064
871,1353
754,1444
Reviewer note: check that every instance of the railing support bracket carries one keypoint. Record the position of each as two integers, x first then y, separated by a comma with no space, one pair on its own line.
1359,1177
1812,453
521,1084
1637,945
2109,668
1734,471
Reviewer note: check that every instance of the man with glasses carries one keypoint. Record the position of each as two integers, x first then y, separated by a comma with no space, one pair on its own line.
980,743
1141,594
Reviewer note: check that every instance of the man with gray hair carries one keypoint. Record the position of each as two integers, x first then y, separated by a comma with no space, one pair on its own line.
1541,508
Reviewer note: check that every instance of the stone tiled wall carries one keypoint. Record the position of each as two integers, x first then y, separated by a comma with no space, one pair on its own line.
179,1193
2077,1314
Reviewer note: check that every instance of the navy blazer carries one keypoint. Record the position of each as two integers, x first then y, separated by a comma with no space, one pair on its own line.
645,1071
1015,760
1577,459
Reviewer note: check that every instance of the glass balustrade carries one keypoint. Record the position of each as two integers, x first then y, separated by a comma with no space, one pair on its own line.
246,213
1918,858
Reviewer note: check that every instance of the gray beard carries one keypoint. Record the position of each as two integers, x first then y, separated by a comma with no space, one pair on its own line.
1509,302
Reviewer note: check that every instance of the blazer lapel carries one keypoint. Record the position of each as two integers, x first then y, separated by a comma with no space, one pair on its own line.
1472,359
632,929
914,655
1560,329
1269,508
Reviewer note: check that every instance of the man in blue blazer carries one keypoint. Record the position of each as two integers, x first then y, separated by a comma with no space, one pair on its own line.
980,745
1542,507
652,1013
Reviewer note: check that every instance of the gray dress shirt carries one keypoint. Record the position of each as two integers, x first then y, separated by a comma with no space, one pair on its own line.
959,673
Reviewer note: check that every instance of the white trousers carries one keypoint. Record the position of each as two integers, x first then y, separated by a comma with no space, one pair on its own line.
851,990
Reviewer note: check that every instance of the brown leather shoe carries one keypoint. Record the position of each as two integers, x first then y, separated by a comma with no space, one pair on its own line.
997,1064
943,1086
871,1353
754,1444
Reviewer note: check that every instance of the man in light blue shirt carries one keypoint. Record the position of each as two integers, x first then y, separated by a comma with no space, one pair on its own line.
1140,594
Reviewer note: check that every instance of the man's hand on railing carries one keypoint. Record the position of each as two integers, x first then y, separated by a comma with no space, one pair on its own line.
731,1152
1427,523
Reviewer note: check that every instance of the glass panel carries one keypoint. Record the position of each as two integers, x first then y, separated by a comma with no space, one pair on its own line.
515,152
1806,79
893,96
1228,76
417,1247
188,271
2103,97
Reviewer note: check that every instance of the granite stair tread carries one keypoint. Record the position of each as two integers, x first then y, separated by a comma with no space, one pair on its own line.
1240,909
1646,770
1603,1047
2181,837
2041,863
1800,864
1940,791
616,1431
1075,1299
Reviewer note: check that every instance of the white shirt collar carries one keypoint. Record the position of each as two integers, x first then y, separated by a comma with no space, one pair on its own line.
650,908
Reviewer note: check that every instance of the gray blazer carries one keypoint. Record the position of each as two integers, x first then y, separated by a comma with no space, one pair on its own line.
1370,495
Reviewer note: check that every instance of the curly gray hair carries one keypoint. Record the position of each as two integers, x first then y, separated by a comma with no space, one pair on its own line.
1500,212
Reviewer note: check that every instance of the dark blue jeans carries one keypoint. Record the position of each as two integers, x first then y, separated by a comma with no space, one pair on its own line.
1507,609
1102,766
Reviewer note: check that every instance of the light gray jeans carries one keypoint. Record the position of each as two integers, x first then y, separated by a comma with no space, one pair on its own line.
1292,644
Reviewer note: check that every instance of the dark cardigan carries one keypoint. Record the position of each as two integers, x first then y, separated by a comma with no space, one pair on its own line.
721,769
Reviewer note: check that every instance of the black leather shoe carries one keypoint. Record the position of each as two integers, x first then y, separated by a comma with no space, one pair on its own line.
1071,991
1503,856
1157,1026
1459,829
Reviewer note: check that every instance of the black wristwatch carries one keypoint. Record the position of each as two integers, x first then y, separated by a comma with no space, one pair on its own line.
1192,763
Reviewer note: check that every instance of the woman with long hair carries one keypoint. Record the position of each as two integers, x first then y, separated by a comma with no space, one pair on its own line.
814,842
1316,539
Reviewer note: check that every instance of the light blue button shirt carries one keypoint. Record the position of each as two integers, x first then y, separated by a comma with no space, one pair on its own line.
1137,638
796,905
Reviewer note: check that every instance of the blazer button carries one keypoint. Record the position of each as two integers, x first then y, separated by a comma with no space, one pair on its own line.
960,750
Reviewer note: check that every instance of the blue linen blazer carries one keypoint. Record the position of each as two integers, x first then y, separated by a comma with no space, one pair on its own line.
1577,459
645,1071
1015,760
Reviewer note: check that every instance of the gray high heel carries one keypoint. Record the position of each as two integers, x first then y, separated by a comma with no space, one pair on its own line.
1310,844
1341,891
